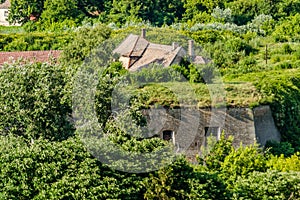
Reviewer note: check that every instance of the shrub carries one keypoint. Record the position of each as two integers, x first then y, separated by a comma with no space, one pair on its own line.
287,49
241,162
54,170
278,148
31,102
269,185
284,164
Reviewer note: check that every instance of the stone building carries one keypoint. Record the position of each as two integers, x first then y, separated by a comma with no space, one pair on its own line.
4,8
4,12
136,53
188,129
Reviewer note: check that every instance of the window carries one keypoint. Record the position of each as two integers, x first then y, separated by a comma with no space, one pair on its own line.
211,131
6,13
169,136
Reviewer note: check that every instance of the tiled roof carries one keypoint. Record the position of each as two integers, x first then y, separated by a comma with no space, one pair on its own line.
133,45
142,53
32,56
5,5
162,54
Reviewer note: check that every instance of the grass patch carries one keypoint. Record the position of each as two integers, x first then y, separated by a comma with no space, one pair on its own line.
175,94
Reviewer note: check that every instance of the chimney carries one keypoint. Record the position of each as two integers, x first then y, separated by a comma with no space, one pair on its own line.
191,49
143,34
174,45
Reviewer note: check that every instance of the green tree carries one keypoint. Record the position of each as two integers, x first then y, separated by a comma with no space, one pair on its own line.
60,10
20,10
53,170
31,101
85,40
244,11
268,185
183,181
216,152
241,162
157,12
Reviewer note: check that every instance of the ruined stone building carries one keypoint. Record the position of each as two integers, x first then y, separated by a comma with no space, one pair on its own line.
188,129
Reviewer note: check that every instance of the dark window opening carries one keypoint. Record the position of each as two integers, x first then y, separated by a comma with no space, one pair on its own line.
212,131
167,135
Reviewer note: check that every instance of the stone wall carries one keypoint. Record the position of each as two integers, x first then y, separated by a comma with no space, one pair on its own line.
264,124
192,127
3,17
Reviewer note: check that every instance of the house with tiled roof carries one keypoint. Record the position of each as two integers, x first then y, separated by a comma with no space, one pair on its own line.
136,53
4,8
4,12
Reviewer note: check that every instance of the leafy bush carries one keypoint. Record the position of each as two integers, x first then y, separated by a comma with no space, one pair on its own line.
34,41
288,29
287,49
156,74
31,102
215,153
52,170
241,162
269,185
85,40
278,148
284,164
181,181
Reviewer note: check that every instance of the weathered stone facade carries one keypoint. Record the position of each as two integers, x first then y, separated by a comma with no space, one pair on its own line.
191,127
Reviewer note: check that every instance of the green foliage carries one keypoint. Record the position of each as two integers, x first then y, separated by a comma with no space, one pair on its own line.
11,29
156,74
34,41
20,10
53,11
287,49
278,148
199,11
227,54
269,185
195,73
284,164
103,97
205,36
59,170
182,181
242,162
158,12
85,40
288,29
216,152
31,101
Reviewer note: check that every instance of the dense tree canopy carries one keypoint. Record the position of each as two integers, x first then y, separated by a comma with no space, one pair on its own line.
31,102
156,12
